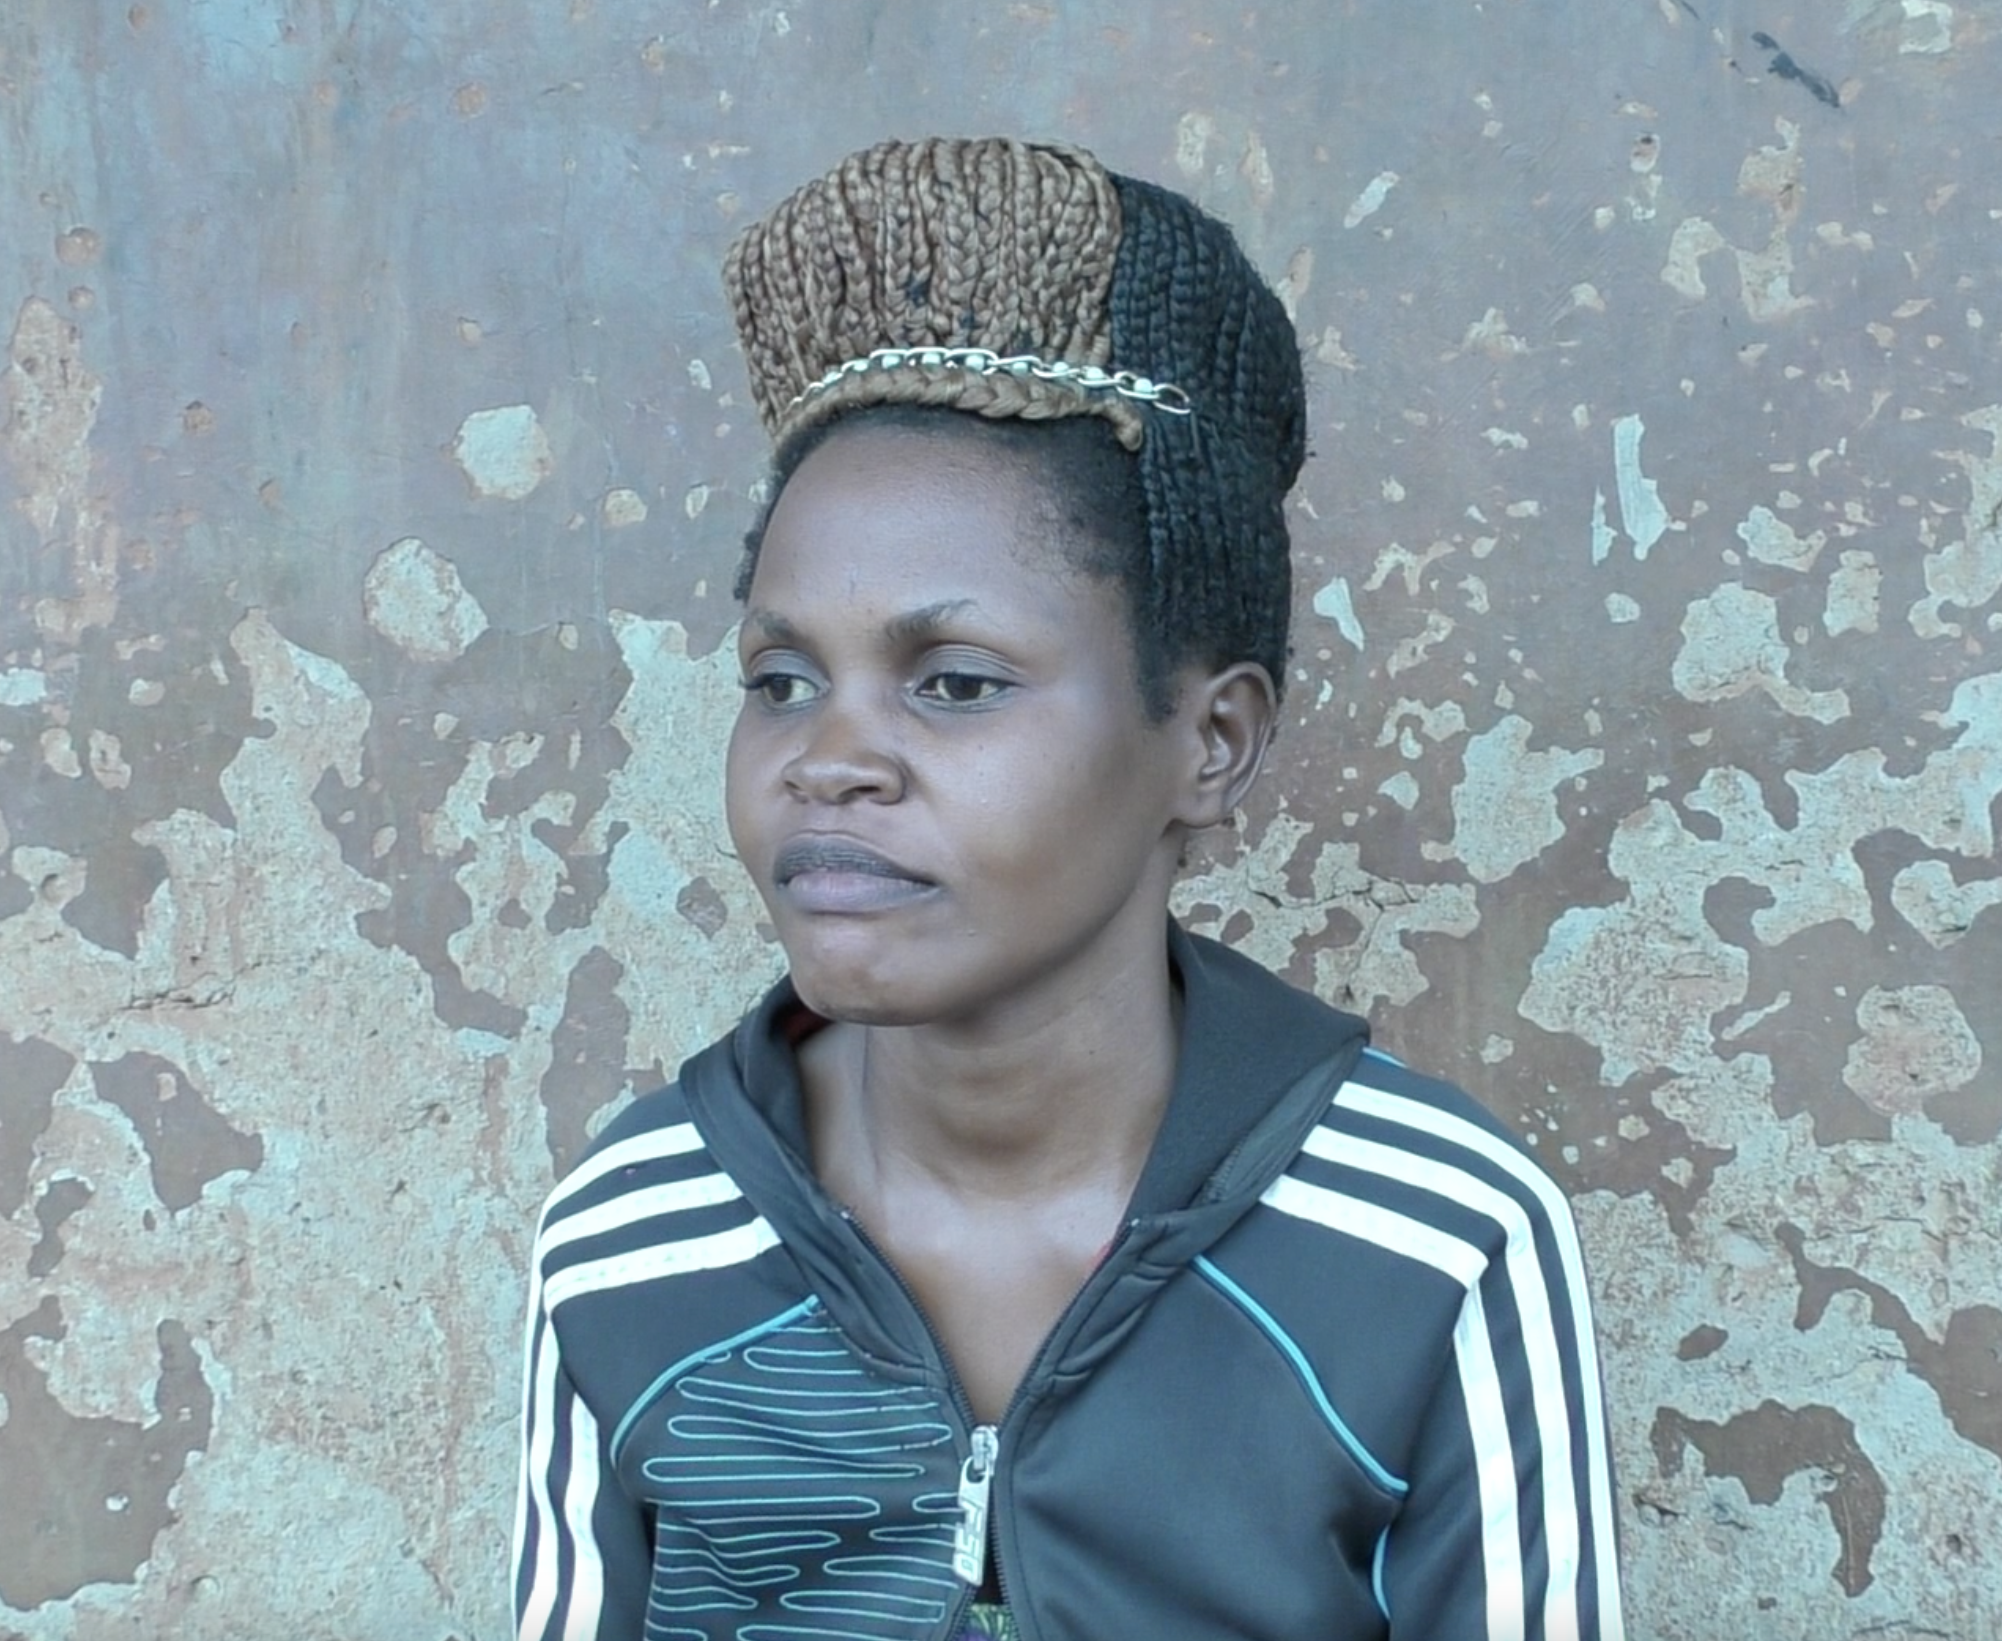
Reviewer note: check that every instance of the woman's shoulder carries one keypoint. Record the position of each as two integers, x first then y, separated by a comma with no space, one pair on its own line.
647,1202
1387,1085
1438,1154
648,1142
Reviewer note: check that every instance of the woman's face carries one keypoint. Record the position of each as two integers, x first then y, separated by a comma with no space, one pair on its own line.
942,779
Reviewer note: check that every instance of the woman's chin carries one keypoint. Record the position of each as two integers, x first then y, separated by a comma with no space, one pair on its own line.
855,970
839,991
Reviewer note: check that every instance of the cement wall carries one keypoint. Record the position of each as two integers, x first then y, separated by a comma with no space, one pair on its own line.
375,453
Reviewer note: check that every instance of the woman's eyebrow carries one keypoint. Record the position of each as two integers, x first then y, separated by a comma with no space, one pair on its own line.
911,626
916,625
774,627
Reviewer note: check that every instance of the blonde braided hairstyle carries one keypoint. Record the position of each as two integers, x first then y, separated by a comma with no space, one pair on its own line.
1036,250
944,243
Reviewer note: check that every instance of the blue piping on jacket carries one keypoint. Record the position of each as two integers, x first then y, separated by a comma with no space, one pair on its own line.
1297,1358
652,1393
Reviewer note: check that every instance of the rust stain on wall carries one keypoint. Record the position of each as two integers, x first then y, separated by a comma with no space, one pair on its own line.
59,1200
1963,1366
1766,1446
88,1497
30,1074
188,1144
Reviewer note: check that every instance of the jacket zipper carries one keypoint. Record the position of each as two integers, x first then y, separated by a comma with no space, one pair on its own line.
978,1490
976,1482
1028,1378
972,1532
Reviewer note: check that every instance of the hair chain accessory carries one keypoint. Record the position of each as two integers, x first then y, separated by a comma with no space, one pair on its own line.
1163,396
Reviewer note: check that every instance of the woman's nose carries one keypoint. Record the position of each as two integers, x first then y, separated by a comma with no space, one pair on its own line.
845,758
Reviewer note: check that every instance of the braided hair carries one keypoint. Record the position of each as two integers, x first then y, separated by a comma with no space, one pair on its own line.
943,245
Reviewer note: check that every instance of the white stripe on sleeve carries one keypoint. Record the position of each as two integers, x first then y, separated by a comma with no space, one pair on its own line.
1371,1222
586,1603
655,1201
1494,1469
676,1140
536,1506
1410,1113
1480,1384
736,1246
1539,1337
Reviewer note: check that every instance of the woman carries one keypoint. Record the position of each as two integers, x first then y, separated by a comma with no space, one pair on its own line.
1022,1264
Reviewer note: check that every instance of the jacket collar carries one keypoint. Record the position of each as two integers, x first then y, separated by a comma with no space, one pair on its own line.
1247,1037
1260,1063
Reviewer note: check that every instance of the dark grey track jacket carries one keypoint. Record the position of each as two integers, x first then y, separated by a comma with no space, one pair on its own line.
1334,1380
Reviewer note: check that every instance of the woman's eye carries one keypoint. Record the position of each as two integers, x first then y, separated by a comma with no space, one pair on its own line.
778,689
961,689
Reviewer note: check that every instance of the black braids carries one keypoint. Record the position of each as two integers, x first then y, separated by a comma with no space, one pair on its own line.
1187,307
1195,539
1241,350
1136,346
1199,523
1253,525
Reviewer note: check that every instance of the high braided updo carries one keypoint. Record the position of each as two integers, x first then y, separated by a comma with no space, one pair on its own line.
1037,250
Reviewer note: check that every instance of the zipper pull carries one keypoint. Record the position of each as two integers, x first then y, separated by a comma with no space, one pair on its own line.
976,1480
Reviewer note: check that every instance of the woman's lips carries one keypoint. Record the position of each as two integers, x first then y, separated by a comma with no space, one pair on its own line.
837,875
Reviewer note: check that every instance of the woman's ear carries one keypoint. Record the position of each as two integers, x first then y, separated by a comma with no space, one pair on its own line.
1230,717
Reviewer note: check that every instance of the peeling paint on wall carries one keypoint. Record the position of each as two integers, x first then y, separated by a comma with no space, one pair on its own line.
504,452
1641,512
89,1496
1505,807
1916,1043
1731,645
1968,572
416,600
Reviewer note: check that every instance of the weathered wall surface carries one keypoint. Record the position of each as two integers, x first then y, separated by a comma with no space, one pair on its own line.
373,460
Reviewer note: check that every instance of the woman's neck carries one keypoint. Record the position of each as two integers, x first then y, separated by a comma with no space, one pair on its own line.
1048,1097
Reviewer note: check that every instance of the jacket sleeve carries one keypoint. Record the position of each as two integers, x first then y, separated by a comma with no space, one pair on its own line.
582,1557
1507,1533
